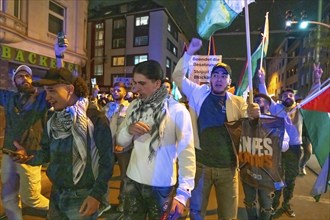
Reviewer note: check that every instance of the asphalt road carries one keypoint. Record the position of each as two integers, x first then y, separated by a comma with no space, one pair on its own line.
303,203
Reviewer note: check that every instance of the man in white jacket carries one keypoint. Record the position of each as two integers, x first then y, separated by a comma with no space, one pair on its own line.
210,107
161,131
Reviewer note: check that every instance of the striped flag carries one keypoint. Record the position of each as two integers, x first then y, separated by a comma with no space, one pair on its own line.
213,15
319,101
258,54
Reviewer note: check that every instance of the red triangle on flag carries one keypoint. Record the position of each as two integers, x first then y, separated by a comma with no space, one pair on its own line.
320,103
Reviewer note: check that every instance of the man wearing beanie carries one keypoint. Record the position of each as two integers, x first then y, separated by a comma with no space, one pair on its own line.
26,114
210,107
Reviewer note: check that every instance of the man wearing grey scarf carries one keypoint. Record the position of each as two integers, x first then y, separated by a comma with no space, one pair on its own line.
160,129
77,146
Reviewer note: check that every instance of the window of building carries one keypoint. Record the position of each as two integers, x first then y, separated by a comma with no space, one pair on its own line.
99,49
118,33
172,48
17,8
123,8
98,69
141,40
98,52
302,80
56,18
119,23
99,42
118,61
118,43
99,34
168,63
140,58
142,20
168,66
172,29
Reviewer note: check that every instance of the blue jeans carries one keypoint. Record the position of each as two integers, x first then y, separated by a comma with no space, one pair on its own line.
254,195
225,181
146,202
65,204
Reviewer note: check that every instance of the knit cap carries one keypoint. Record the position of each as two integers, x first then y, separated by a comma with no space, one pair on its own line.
21,68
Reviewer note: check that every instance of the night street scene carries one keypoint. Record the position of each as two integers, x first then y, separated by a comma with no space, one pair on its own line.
164,109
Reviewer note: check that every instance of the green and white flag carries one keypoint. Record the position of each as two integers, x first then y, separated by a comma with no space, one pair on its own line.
213,15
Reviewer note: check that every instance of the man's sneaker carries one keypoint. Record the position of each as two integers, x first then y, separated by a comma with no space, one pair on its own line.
120,207
288,210
103,208
277,213
302,171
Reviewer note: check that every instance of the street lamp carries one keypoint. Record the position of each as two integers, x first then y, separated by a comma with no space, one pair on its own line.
303,23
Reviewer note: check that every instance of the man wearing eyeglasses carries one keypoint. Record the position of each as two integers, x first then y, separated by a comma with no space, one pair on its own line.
210,107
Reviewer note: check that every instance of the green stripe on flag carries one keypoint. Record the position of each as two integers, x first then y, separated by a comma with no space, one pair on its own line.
318,127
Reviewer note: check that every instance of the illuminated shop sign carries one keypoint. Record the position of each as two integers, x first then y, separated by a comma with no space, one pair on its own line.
22,56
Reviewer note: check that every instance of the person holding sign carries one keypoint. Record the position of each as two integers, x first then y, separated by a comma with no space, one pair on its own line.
260,179
210,106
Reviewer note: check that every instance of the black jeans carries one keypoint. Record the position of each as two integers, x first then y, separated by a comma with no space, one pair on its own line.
146,202
290,161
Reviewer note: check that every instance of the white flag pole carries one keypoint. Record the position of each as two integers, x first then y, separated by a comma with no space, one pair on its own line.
248,50
263,41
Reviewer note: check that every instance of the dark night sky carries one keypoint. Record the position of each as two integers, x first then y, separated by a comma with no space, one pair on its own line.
231,42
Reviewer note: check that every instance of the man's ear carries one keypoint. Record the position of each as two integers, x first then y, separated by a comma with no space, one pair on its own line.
70,89
158,83
229,81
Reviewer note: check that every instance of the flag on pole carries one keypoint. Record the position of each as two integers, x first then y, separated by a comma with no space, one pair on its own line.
258,54
321,183
319,101
214,15
318,127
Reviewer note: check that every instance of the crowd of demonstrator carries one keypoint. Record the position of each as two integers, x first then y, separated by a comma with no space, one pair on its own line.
168,153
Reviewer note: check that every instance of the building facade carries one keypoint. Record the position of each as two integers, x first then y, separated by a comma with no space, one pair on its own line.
120,36
293,63
28,30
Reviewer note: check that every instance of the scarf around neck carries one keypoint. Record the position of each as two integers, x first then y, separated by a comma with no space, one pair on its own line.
72,121
156,103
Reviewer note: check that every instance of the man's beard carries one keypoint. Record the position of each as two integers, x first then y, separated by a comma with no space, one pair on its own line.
288,102
25,89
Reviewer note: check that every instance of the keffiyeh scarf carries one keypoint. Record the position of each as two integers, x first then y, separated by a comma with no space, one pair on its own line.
156,103
72,121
